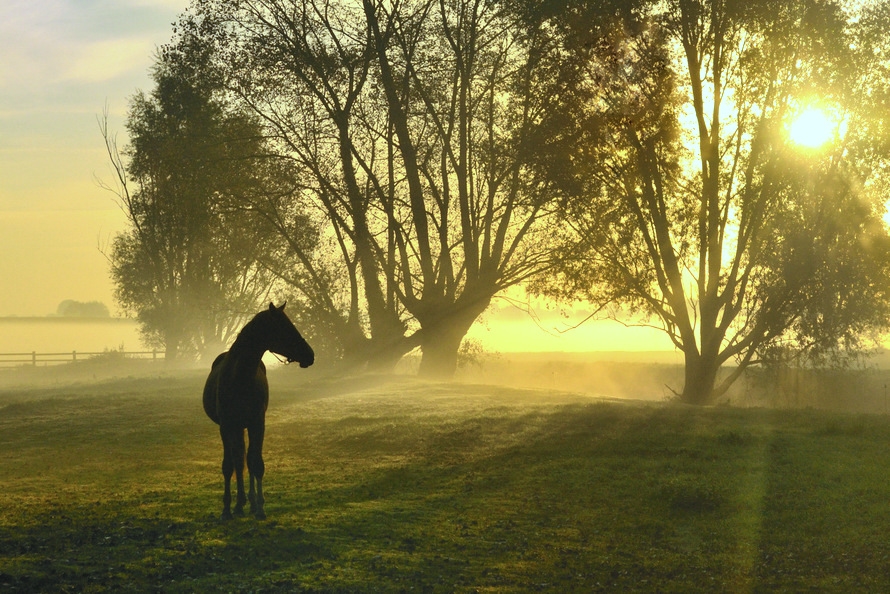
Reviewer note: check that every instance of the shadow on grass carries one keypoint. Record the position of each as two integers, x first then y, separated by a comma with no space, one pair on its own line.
434,490
583,498
111,550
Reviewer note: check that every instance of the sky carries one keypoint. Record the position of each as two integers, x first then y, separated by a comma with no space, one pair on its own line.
61,63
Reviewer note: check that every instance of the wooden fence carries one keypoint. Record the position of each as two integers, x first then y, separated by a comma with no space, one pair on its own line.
34,358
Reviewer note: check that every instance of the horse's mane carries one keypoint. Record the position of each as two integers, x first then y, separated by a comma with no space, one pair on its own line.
253,330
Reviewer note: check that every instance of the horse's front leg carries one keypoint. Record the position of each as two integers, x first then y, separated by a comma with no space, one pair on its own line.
228,467
251,494
257,469
239,474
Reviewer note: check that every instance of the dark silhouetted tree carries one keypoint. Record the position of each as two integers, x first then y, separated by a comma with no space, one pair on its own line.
187,264
414,128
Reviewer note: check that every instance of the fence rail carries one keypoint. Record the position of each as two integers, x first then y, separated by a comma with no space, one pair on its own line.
34,358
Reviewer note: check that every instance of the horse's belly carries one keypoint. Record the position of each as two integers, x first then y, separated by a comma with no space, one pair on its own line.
241,412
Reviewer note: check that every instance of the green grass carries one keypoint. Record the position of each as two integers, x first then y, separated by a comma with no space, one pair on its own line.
397,485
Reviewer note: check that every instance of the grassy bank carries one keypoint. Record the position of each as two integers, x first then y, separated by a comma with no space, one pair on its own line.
382,484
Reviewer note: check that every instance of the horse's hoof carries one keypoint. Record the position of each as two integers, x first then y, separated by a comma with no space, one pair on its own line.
239,511
260,515
226,516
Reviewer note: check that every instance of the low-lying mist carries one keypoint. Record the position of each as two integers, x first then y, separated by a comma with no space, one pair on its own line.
650,377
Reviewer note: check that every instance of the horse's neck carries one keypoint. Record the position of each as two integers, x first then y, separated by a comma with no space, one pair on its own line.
249,345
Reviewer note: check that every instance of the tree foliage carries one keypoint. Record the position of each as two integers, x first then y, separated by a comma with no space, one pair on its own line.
699,212
187,264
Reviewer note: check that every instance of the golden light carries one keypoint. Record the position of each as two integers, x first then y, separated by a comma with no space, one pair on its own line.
812,128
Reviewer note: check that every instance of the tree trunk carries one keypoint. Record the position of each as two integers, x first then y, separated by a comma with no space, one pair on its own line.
379,353
171,347
382,356
440,337
700,377
440,345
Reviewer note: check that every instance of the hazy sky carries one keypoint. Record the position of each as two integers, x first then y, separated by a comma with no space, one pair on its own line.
61,62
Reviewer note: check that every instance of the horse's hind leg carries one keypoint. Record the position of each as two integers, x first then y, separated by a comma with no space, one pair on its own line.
257,469
233,460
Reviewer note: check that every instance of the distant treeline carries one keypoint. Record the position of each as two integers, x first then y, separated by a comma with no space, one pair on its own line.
80,309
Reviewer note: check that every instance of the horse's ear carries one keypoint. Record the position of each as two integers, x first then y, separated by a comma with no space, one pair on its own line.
271,306
282,306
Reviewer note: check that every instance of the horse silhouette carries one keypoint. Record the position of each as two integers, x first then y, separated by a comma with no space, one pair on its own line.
236,396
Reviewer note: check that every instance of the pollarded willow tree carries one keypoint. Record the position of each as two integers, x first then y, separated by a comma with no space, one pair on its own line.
701,212
415,127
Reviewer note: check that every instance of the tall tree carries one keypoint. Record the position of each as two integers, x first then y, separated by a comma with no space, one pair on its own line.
701,212
186,266
302,67
414,126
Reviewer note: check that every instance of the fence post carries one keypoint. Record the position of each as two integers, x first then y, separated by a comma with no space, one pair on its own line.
154,355
74,356
34,358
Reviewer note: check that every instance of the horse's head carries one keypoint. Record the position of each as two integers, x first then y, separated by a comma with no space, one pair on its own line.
285,339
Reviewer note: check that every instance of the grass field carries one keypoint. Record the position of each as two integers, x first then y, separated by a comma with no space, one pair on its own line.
390,484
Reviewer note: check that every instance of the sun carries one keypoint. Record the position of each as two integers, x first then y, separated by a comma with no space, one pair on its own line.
812,128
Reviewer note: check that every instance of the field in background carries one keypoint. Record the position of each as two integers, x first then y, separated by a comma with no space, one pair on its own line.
383,483
635,374
58,334
658,375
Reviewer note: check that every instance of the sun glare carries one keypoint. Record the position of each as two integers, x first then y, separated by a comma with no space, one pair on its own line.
812,128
